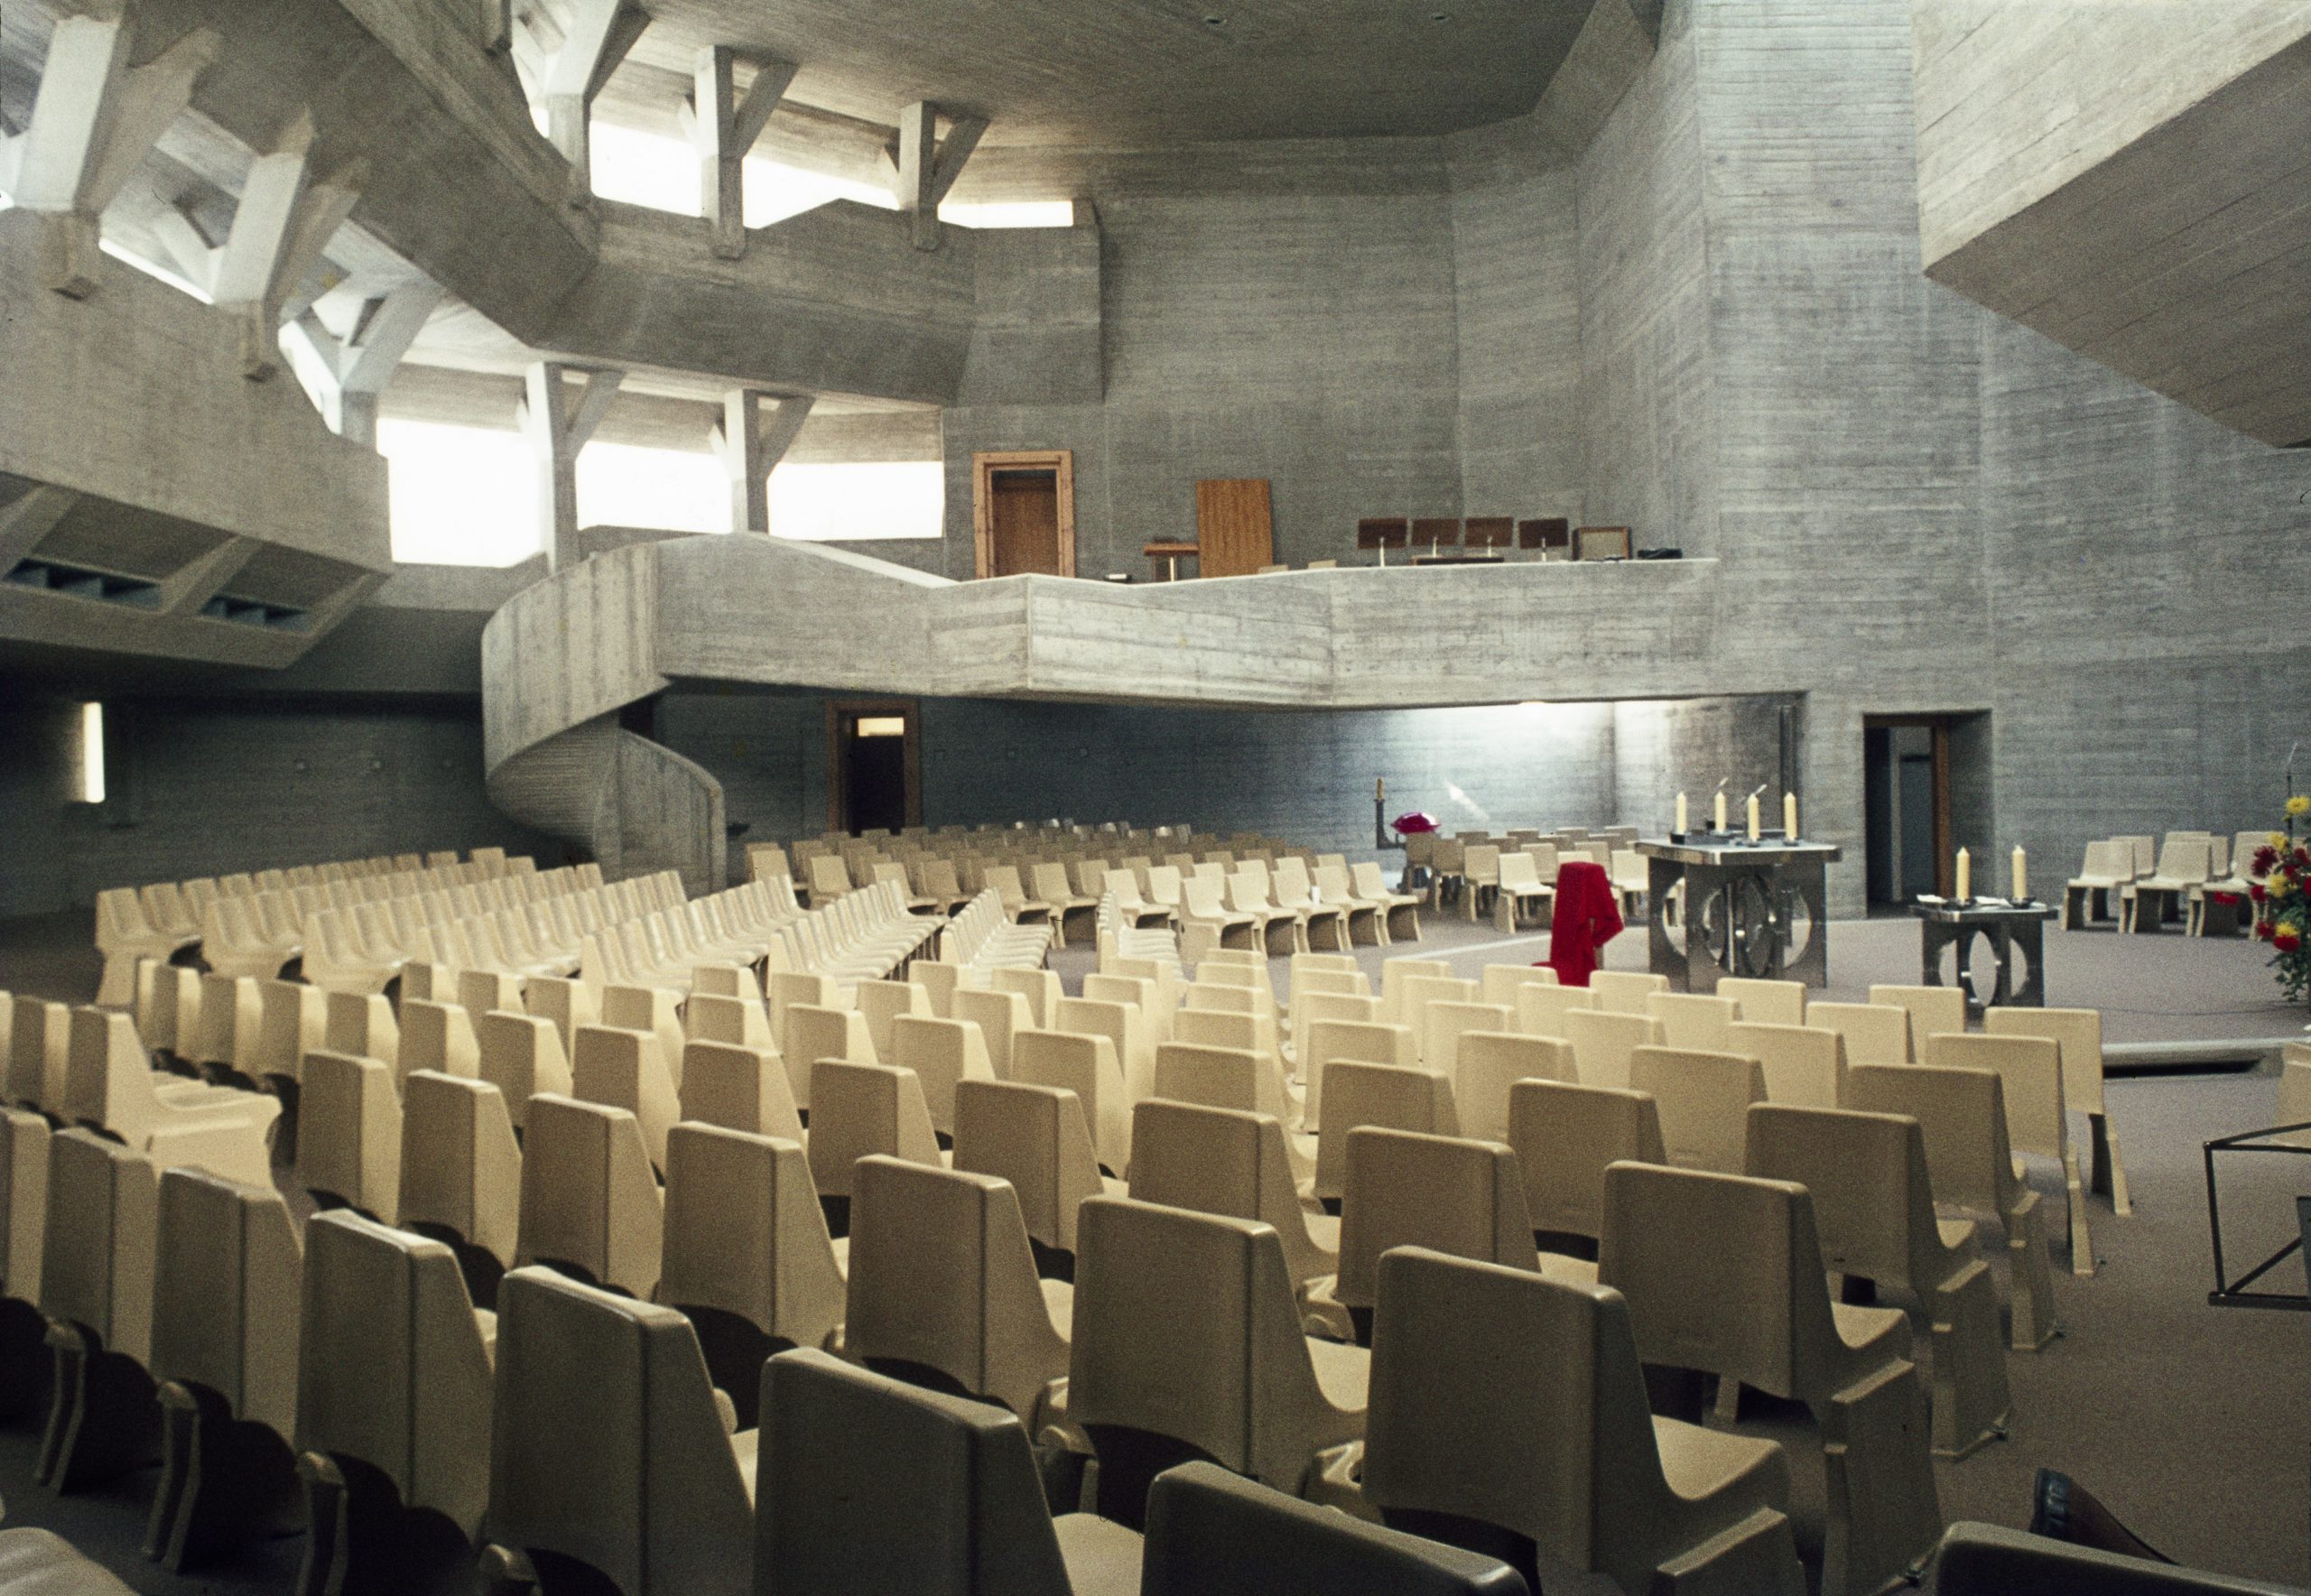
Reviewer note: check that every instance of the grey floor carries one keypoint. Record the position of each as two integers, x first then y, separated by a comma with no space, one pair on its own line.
2194,1423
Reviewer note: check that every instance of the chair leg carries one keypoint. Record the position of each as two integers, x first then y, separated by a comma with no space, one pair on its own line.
2082,1244
1884,1512
1970,1398
2110,1174
2033,1306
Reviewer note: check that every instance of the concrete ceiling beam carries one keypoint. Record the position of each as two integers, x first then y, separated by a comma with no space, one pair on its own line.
197,580
28,517
724,126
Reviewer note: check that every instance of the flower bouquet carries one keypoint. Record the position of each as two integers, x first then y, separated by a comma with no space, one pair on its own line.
2279,875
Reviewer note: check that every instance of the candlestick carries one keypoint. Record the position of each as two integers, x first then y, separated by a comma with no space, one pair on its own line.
1379,789
2021,875
1681,814
1717,812
1790,815
1753,817
1965,876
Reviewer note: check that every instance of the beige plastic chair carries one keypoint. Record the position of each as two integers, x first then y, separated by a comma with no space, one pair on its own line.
1603,1040
110,1086
1873,1033
1703,1099
1040,988
1873,1207
568,1003
1395,973
348,1135
787,988
1501,1397
1187,1340
40,1053
1621,991
606,1450
1400,911
1565,1136
1963,1116
943,1289
741,1020
2106,869
2079,1030
650,1009
521,1054
1695,1020
1445,1024
394,1377
1541,1011
1120,1025
1086,1066
627,1069
1492,1062
1221,1078
591,1206
883,1002
1804,1065
1037,1138
1932,1009
1417,993
1000,1017
868,1109
227,1287
814,1035
96,1288
1763,1002
2036,1124
1502,982
943,1054
24,1218
1385,1095
364,1026
855,1452
232,1017
461,1174
2184,862
1724,1275
746,1254
437,1037
1224,1017
292,1019
488,991
1330,1041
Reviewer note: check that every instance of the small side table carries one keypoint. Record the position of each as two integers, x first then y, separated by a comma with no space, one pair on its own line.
2010,928
1171,554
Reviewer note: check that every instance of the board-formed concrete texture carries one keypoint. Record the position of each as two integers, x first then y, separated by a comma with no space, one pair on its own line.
2129,180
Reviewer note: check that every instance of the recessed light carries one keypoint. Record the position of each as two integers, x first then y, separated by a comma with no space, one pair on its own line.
1440,16
1215,22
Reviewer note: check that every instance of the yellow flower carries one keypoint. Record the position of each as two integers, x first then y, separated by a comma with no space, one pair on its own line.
2277,886
2277,839
2299,806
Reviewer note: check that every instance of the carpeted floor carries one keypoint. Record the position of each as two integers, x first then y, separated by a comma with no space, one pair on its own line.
2194,1423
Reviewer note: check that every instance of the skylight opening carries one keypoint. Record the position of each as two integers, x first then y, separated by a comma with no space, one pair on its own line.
460,495
1013,213
859,501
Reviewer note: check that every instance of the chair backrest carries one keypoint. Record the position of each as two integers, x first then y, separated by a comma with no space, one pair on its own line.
1395,972
1037,1138
710,1017
589,1203
461,1167
1118,1023
738,1087
522,1055
1491,1063
1874,1033
393,1369
1212,1533
1040,988
1703,1099
884,1003
2031,1067
2185,859
941,1279
1566,1136
943,1054
348,1133
653,1009
1989,1560
98,1248
226,1285
1506,1398
1621,991
864,1109
1932,1008
1086,1066
1802,1064
1445,1023
744,1235
856,1456
999,1015
363,1024
1385,1095
1962,1114
1461,1197
1503,981
1693,1019
437,1037
627,1069
606,1447
1216,1078
2079,1030
814,1034
1416,993
1873,1200
1603,1039
1226,1162
1541,1010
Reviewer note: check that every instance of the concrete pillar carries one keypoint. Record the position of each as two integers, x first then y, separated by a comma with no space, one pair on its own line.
750,443
724,126
283,223
354,370
928,165
558,424
600,34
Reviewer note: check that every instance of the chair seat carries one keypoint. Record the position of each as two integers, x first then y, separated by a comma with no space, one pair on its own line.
1102,1557
1059,1302
1324,1230
747,1448
1557,1266
1343,1373
1885,1331
1956,1232
1700,1463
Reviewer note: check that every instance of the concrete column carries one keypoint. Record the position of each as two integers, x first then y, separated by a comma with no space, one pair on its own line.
928,165
283,222
557,427
356,369
724,126
750,443
600,34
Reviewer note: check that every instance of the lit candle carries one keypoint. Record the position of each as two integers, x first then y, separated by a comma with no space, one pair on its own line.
1681,814
1717,811
1965,876
1753,817
2021,875
1790,815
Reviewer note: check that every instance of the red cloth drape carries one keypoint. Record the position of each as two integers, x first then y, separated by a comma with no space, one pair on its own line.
1588,916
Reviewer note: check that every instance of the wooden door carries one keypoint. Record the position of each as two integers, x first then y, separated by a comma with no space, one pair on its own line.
1023,513
1233,533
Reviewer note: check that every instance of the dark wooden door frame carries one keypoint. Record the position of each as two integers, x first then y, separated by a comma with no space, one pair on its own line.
840,711
1944,829
1060,462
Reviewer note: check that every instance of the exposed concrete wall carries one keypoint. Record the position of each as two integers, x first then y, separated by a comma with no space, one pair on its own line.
1517,279
1663,747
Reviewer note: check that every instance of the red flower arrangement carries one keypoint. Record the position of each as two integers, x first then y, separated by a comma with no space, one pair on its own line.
2280,887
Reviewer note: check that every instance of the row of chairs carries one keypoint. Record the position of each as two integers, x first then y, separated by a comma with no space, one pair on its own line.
2196,878
530,924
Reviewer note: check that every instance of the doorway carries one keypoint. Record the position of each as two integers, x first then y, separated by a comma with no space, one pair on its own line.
874,765
1919,785
1023,513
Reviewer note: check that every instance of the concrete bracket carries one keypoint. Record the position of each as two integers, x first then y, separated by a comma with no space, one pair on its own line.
750,442
928,164
568,77
724,126
279,230
193,584
558,430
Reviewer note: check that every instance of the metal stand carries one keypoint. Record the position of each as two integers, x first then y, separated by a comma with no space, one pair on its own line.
2009,927
1758,910
2234,1293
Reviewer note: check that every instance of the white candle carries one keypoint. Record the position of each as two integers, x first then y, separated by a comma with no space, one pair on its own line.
1790,815
1753,817
1965,876
2021,875
1681,814
1717,811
